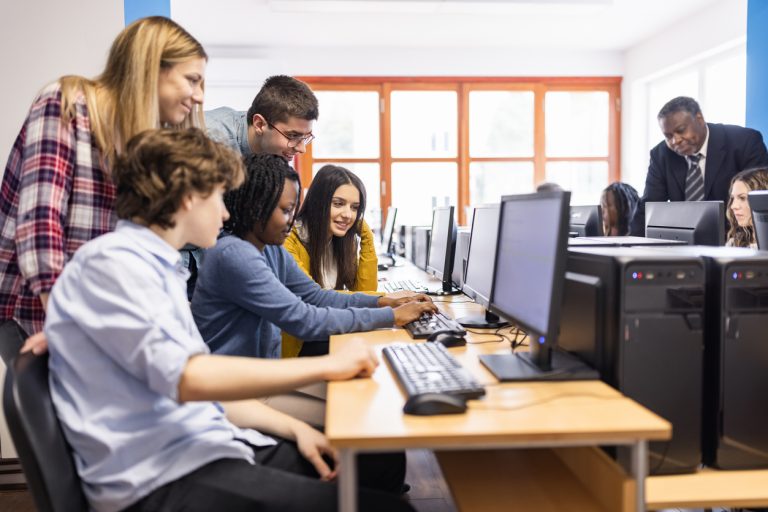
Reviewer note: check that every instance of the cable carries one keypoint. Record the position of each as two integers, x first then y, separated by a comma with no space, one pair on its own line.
481,406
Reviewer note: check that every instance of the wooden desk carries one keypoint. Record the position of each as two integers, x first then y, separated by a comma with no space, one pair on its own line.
366,414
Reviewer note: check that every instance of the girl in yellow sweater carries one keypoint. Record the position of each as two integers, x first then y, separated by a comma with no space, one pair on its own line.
330,240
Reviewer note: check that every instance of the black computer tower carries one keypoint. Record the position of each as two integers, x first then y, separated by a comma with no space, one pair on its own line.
735,421
647,337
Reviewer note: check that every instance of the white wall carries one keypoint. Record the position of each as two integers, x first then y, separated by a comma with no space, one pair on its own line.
41,40
715,28
235,74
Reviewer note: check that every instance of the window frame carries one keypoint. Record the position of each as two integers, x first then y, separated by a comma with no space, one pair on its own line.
463,86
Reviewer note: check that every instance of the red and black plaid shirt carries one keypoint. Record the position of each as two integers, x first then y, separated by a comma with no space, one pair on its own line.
55,196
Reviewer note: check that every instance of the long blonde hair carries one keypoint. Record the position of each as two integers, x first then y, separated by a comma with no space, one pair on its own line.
127,89
753,179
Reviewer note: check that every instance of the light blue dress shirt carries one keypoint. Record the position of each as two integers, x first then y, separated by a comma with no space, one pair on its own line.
230,127
120,333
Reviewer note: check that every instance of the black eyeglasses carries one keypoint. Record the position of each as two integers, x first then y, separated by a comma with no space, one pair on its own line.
295,140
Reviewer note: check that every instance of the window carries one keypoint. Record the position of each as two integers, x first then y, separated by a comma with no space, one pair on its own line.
422,142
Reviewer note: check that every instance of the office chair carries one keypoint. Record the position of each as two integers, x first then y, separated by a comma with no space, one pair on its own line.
12,337
45,455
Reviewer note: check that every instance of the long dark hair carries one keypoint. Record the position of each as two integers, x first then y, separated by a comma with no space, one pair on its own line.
254,201
753,179
625,198
315,216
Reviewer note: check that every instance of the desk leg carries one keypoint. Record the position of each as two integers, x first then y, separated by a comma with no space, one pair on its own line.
348,480
640,471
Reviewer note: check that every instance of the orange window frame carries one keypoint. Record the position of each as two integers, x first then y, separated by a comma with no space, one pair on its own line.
463,86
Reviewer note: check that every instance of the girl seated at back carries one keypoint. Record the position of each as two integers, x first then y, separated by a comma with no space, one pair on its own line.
741,233
619,204
330,241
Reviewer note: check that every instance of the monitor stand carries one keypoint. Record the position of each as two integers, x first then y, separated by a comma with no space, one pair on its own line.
441,292
487,321
520,366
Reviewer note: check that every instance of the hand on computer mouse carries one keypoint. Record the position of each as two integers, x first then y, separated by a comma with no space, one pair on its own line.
412,311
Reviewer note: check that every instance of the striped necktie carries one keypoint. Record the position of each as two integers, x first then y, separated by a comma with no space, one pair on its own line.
694,181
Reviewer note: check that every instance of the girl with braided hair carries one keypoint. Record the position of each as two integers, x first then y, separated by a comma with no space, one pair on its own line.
741,233
619,204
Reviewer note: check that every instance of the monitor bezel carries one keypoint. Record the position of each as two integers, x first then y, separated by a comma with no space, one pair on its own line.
467,289
450,245
391,214
543,339
666,216
594,215
758,203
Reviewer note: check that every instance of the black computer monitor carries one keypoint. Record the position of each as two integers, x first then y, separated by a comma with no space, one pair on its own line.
694,222
442,246
527,286
586,220
478,277
758,203
388,232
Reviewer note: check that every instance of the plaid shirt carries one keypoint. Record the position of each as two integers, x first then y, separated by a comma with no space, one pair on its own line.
55,196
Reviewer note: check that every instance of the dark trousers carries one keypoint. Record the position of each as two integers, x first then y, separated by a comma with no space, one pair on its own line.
280,481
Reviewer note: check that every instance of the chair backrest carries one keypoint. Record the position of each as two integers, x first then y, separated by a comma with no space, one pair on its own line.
45,455
12,337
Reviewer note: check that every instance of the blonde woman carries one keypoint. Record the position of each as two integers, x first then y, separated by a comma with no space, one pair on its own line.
741,232
57,192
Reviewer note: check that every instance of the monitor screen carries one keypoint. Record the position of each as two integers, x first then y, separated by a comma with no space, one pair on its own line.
694,222
758,203
442,242
586,220
388,231
530,261
482,252
528,282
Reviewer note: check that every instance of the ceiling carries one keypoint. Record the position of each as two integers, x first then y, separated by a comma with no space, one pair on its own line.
612,25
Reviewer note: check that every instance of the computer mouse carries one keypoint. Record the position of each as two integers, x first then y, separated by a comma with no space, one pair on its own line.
428,404
448,339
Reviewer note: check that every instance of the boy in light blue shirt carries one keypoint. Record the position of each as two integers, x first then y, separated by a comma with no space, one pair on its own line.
133,383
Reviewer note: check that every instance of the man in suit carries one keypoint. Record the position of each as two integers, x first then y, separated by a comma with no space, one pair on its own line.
696,160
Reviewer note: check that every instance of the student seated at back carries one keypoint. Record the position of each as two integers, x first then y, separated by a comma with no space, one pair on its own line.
134,385
741,231
250,287
619,204
330,241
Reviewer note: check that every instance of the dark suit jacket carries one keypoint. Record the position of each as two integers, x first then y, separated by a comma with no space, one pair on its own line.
730,150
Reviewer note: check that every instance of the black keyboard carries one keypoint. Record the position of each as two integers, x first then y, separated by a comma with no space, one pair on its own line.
409,285
430,368
429,324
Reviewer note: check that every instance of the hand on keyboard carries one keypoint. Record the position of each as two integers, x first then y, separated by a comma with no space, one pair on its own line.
413,311
394,300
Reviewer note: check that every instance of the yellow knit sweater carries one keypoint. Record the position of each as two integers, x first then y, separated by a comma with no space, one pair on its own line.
366,279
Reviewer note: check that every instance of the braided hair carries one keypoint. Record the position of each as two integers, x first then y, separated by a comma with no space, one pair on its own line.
253,202
625,198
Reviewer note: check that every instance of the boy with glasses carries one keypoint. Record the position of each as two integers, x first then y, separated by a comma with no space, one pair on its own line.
279,121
